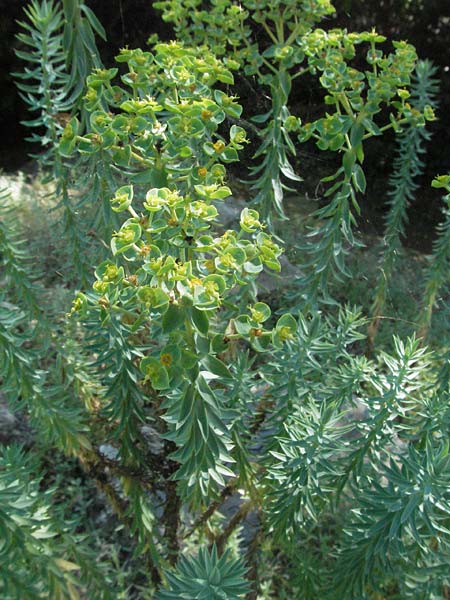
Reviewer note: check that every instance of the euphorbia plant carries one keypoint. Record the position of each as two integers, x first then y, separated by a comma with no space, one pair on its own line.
169,308
159,385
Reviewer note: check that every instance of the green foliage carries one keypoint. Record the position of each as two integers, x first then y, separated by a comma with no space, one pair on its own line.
399,521
50,405
79,46
437,273
408,165
16,268
24,341
43,86
60,47
322,460
176,386
41,555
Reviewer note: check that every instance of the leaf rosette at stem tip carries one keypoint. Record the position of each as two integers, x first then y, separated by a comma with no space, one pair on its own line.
208,575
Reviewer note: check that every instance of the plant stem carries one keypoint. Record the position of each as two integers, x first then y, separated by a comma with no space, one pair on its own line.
238,516
201,520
